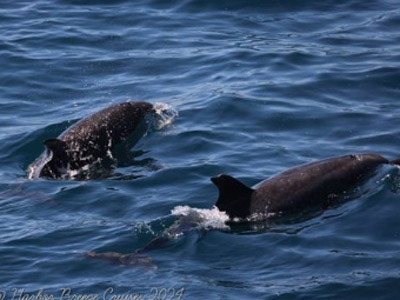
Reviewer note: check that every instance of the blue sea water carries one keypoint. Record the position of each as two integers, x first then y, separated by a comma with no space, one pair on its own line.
260,86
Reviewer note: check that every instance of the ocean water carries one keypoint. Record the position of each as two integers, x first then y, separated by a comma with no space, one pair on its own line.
260,86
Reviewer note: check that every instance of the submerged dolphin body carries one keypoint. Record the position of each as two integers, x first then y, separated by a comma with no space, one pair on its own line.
184,220
90,140
317,183
181,226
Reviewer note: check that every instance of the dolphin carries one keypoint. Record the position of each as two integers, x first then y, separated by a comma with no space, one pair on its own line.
318,183
90,140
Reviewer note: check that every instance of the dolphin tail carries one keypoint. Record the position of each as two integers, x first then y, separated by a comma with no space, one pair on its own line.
234,196
395,162
129,260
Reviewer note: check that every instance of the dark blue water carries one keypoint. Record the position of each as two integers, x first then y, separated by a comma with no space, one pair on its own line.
260,86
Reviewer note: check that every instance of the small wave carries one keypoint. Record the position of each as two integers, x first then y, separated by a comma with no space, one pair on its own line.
165,115
206,218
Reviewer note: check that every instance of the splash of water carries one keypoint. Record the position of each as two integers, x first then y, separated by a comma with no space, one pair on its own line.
165,115
206,218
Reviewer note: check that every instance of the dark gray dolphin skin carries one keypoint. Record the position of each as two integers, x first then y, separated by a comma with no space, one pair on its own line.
316,183
89,140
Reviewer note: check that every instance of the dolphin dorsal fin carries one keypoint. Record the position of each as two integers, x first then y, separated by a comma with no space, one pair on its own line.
234,196
58,147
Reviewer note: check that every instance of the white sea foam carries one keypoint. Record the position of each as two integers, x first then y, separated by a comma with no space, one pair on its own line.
207,218
165,115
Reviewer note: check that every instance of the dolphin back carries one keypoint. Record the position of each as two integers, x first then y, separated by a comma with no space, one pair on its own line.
90,140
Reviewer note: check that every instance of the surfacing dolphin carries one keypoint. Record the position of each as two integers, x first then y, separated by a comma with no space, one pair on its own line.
320,183
90,140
